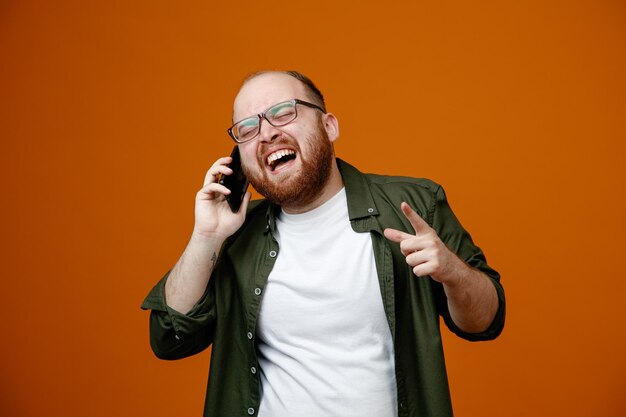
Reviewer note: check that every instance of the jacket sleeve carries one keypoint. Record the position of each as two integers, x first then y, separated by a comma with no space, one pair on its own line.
174,335
452,233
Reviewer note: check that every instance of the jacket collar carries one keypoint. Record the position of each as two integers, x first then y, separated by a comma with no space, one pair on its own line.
360,201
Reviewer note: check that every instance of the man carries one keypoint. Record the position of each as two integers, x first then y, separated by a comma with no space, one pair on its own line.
324,298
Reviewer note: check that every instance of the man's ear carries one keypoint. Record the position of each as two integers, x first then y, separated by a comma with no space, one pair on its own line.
331,125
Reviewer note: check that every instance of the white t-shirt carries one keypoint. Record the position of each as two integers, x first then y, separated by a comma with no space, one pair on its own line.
324,342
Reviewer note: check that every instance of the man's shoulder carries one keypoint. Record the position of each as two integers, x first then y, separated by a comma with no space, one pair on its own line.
389,191
391,181
386,182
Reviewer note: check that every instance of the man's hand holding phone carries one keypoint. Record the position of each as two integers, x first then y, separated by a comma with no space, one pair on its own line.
214,215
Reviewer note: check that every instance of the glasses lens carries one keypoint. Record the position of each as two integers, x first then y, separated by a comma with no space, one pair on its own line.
282,113
246,129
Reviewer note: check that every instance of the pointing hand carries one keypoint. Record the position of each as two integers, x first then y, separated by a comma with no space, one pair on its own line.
424,251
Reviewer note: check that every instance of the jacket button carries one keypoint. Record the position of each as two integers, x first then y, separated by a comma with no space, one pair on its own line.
272,254
250,335
253,370
257,291
250,410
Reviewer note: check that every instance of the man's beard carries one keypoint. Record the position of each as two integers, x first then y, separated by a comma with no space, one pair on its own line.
304,187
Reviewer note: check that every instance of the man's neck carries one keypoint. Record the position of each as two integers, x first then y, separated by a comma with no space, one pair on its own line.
332,187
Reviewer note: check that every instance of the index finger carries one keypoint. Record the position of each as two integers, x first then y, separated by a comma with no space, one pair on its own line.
419,224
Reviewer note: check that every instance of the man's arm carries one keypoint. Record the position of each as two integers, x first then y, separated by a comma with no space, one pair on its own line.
214,223
472,297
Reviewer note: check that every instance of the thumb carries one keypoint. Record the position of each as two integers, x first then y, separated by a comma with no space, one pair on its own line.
396,235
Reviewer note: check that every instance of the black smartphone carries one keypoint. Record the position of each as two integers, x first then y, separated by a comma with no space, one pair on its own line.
236,182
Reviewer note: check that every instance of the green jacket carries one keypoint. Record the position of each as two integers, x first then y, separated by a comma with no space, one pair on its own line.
226,316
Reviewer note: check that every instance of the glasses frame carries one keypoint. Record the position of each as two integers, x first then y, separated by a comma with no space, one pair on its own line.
262,116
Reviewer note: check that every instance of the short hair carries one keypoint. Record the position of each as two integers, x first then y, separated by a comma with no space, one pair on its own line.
315,94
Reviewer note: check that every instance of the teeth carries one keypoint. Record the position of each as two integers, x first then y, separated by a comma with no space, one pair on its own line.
279,154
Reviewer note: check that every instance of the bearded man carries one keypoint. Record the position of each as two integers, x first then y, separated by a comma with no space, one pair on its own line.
324,298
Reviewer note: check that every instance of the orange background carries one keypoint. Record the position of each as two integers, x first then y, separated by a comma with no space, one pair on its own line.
111,111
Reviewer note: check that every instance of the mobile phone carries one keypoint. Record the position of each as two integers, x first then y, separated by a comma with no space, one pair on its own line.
236,182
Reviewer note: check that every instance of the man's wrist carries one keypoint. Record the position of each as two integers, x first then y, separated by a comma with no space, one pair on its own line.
207,238
456,274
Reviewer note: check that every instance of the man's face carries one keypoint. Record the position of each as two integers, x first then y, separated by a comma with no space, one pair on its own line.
289,165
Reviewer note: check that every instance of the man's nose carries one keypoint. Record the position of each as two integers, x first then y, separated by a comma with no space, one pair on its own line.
267,132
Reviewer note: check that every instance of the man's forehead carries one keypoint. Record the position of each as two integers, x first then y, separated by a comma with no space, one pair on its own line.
264,90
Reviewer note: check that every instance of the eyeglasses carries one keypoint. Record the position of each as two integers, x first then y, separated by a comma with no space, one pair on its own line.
278,115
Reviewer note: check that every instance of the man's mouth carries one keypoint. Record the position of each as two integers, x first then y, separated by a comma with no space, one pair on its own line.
277,159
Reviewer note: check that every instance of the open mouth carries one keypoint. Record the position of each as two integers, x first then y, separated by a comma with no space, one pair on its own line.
279,158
